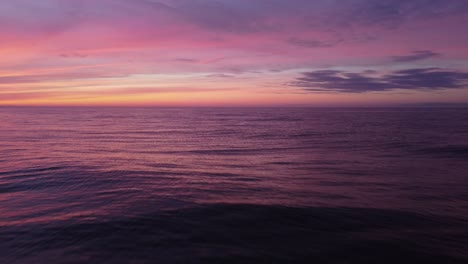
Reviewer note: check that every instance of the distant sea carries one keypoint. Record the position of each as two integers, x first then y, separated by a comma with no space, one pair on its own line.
233,185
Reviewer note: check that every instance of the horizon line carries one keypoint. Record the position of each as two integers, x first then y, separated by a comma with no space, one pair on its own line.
408,105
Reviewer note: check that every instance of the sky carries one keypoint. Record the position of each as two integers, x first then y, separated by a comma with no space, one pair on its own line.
233,52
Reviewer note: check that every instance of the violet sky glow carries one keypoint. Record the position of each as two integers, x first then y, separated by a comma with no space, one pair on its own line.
233,52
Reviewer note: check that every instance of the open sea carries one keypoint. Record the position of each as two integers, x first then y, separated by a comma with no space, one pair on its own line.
233,185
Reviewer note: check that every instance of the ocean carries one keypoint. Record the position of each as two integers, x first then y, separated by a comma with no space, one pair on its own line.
233,185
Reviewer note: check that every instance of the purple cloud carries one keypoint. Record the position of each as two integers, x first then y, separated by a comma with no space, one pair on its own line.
392,13
411,79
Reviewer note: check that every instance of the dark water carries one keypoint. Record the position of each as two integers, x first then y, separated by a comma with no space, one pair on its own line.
155,185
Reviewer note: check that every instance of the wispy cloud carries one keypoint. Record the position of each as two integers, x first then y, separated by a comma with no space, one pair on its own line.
305,43
416,56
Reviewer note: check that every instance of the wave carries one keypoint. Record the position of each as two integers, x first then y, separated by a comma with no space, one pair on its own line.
460,151
239,233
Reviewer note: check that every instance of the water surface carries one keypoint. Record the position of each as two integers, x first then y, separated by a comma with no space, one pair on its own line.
239,185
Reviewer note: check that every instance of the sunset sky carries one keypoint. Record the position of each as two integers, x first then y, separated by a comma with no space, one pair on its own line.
233,52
